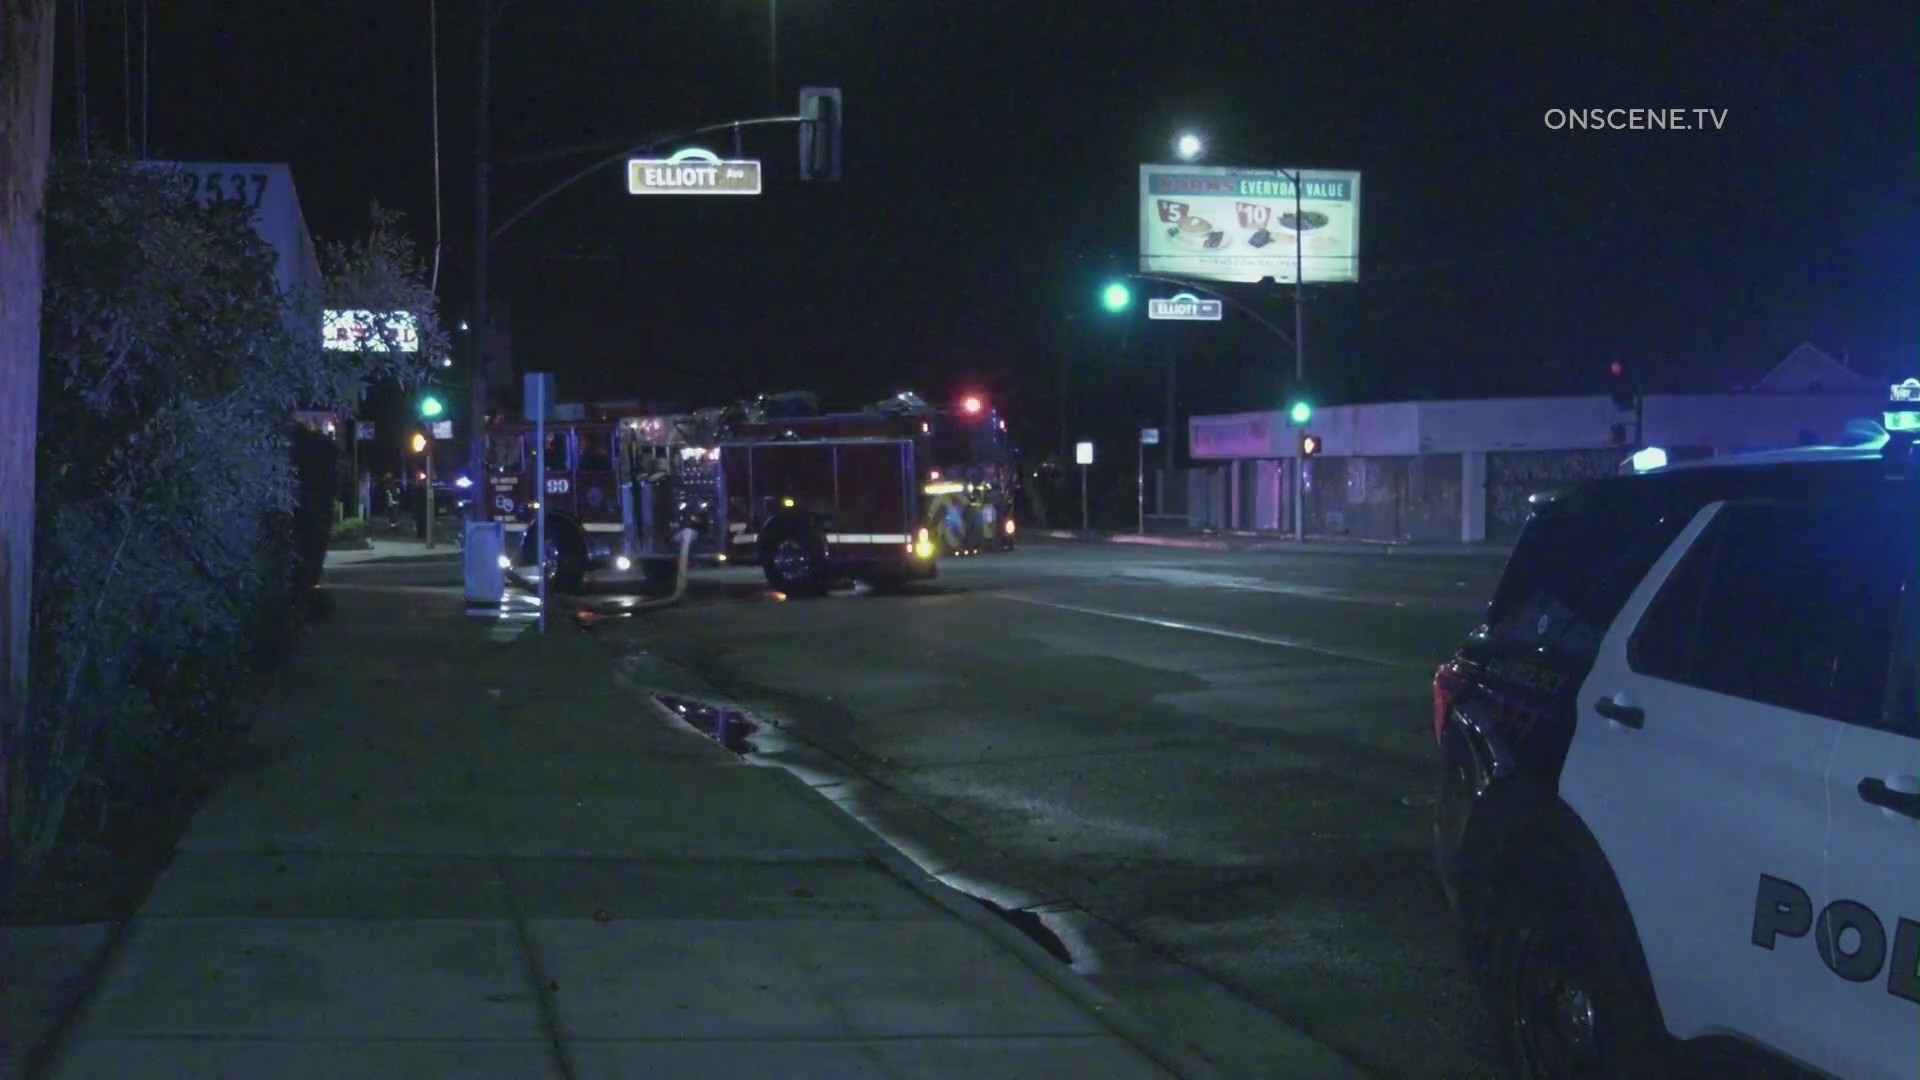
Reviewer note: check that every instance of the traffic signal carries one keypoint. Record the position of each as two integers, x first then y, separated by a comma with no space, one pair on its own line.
1300,414
419,443
431,406
1620,386
972,404
819,133
1116,297
1309,446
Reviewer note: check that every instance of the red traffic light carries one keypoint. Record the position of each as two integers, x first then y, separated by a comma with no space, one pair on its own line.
1616,369
972,405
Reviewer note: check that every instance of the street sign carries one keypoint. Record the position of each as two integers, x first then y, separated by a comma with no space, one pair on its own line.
443,429
692,172
1083,453
1150,436
1907,416
363,431
1185,307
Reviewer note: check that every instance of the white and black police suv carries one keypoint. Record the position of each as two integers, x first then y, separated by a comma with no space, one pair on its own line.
1679,813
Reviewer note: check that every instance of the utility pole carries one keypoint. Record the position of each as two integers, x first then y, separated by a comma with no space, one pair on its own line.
477,378
26,125
1166,437
1299,358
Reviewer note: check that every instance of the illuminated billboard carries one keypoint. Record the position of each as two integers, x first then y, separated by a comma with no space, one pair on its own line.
1220,224
347,331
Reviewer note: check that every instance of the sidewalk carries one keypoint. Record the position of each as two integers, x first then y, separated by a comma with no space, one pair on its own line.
1278,542
462,849
398,547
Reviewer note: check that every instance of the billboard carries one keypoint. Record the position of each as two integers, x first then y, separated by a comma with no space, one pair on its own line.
346,331
1221,224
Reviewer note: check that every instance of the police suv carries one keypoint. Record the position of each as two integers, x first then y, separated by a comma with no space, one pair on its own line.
1679,814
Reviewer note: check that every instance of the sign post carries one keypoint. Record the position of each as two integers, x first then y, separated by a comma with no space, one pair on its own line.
1148,437
1083,456
427,485
539,398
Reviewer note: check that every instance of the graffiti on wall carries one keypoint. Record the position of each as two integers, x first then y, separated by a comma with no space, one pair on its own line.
1514,476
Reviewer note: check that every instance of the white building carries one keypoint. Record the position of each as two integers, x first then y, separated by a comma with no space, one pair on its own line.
1461,471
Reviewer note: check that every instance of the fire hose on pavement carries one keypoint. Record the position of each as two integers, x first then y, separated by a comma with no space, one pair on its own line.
681,561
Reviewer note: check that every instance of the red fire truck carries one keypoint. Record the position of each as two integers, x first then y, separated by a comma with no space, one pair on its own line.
810,504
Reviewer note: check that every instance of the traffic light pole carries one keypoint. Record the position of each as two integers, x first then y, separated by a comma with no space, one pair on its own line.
1299,359
427,471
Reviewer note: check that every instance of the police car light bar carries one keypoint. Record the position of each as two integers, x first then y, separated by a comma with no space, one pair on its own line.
1651,458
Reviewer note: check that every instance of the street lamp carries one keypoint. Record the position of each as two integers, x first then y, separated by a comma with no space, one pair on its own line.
1189,146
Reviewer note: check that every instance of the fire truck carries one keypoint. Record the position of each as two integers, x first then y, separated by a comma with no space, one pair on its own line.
810,499
968,484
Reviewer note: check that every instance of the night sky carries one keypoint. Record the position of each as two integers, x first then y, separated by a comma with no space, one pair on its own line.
991,156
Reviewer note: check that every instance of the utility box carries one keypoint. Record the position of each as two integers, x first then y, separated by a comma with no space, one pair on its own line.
486,551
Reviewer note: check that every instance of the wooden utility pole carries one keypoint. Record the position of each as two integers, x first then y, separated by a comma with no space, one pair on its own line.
26,124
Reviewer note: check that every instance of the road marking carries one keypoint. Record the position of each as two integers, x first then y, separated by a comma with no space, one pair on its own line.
1216,631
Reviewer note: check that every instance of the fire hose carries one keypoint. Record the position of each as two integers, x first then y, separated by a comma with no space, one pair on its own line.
681,562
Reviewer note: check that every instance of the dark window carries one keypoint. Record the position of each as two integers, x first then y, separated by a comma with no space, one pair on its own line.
1789,604
558,459
596,451
1572,570
1903,700
506,454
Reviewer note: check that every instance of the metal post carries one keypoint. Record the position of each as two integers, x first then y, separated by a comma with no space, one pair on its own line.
359,504
773,53
477,377
540,494
1173,370
1299,360
1140,486
1084,526
427,471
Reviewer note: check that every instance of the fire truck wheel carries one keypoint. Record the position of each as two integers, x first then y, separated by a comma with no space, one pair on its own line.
566,556
797,565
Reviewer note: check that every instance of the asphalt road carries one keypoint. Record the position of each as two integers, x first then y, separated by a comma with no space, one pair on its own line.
1210,772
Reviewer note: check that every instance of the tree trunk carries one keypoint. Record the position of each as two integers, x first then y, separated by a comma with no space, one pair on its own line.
26,108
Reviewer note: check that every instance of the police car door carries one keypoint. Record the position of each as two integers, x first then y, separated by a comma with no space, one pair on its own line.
1696,790
1860,925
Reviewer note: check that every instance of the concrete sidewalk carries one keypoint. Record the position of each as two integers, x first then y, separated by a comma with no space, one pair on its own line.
459,848
1277,542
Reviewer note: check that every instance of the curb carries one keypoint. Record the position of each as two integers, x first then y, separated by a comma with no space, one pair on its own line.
1107,1010
1309,546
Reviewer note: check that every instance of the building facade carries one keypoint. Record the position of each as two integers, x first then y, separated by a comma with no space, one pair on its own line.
1460,471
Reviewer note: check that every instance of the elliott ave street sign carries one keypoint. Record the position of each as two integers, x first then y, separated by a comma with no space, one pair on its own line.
1185,306
692,172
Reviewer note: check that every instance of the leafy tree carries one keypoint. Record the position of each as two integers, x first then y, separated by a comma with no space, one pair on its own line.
167,492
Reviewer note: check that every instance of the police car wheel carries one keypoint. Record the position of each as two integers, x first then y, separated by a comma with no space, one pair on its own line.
1564,1002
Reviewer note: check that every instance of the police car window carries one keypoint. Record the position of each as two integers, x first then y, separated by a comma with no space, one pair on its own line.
1572,571
1789,605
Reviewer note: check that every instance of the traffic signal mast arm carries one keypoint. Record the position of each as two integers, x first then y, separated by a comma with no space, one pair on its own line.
646,147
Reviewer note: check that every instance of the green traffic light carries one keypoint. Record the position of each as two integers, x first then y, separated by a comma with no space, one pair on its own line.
1116,297
430,407
1300,413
